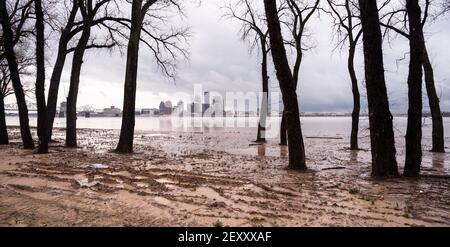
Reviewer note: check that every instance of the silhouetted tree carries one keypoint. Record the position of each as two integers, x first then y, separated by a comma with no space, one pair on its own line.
295,17
40,78
414,127
287,86
380,118
348,27
395,20
10,39
24,61
254,30
89,11
5,90
165,44
67,31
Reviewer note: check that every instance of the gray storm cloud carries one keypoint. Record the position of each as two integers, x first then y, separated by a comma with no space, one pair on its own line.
221,62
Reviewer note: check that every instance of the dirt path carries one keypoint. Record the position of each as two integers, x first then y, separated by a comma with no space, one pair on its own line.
156,187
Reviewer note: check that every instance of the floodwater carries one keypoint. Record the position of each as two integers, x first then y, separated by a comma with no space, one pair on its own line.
192,173
312,126
329,135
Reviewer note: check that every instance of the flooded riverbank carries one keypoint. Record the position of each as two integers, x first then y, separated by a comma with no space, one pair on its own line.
197,178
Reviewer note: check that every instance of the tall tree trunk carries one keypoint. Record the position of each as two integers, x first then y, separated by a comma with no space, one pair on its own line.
125,144
356,98
77,62
53,90
261,137
382,140
3,129
40,78
287,85
283,130
295,75
55,78
433,101
10,56
414,127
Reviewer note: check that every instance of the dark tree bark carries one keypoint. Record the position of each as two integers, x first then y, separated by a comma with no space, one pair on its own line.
125,144
261,136
254,29
384,163
15,78
345,21
414,127
40,78
433,101
88,11
71,117
356,98
3,129
287,85
300,16
283,130
55,78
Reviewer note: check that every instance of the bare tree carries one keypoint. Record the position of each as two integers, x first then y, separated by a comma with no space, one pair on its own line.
296,17
19,15
40,78
89,11
5,91
380,118
414,127
254,30
24,62
396,21
67,31
165,47
348,28
70,29
287,85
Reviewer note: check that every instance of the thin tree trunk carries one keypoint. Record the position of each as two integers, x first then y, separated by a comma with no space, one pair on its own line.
3,129
55,78
384,163
356,98
261,137
414,127
283,130
125,144
433,100
287,85
10,56
40,79
77,62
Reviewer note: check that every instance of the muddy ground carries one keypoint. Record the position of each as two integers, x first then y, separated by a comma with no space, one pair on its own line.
196,179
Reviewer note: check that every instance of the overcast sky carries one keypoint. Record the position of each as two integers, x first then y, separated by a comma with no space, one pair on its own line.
220,61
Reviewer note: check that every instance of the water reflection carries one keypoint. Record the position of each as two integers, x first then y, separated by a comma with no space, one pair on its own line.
283,151
262,150
353,156
438,160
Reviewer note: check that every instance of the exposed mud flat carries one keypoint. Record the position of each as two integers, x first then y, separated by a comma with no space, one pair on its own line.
195,179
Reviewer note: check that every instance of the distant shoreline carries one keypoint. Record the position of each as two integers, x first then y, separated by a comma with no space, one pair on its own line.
308,114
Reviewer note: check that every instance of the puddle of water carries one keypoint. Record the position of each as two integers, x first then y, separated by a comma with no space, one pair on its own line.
99,166
165,181
142,185
83,181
